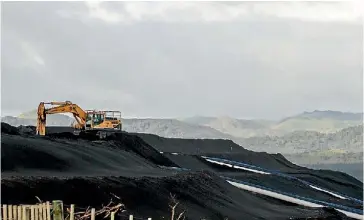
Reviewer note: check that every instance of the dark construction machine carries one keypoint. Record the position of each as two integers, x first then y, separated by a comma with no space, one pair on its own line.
87,121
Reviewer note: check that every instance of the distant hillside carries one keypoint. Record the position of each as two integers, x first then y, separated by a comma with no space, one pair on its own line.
219,127
333,115
29,115
346,140
235,127
30,118
198,120
319,121
299,138
161,127
172,128
52,120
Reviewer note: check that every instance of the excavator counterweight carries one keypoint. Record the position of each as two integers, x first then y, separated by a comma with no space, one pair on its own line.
89,120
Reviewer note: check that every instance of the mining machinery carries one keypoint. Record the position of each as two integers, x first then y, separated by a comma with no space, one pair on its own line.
88,121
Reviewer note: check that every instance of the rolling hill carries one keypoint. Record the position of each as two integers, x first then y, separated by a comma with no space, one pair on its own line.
233,126
303,138
162,127
319,121
220,127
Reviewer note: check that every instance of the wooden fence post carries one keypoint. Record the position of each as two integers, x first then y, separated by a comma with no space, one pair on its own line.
57,210
48,211
19,213
15,212
112,215
10,212
72,212
149,218
131,217
40,212
93,214
24,215
44,211
32,212
28,211
5,212
36,216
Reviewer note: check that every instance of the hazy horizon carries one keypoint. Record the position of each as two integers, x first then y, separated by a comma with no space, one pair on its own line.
262,60
216,116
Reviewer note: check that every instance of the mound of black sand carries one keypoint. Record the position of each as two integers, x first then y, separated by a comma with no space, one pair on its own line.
8,129
201,195
225,149
87,172
272,181
68,157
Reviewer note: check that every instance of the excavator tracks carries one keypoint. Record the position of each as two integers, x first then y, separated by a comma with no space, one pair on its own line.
96,133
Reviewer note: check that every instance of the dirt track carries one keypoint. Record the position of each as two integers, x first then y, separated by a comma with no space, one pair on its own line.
85,172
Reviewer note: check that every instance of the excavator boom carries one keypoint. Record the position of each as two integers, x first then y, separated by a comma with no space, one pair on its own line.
63,107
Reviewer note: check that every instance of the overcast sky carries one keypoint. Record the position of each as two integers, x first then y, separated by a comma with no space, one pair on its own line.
177,59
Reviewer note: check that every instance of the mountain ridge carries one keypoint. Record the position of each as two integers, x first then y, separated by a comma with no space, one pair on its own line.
303,145
320,121
218,127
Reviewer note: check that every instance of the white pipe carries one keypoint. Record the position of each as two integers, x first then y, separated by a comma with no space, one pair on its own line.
224,164
262,172
255,171
319,189
289,199
237,167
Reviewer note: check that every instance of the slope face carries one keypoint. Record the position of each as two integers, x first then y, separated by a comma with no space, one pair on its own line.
128,165
302,147
202,195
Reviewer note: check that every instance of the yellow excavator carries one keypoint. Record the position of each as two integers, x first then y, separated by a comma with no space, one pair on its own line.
86,120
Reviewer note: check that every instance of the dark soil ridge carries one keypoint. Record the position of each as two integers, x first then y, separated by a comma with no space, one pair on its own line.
201,194
85,172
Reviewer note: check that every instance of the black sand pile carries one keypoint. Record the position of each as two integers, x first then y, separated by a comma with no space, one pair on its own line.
89,173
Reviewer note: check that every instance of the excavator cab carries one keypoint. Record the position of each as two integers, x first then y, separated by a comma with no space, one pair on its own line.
110,120
94,119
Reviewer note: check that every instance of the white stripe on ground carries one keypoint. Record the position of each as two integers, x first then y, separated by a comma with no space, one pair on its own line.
255,171
289,199
336,195
262,172
238,167
224,164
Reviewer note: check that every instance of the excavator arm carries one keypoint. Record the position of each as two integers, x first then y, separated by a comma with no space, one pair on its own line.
62,107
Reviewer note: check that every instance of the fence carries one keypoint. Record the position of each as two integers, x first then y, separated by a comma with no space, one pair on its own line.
55,211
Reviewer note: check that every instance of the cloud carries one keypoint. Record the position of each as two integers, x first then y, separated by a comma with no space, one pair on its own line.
96,11
182,58
172,11
32,54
